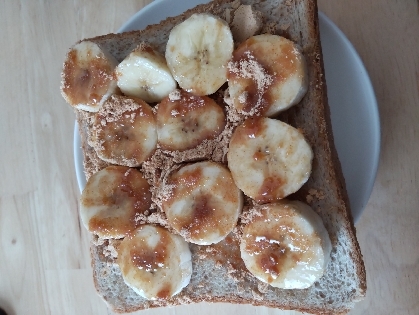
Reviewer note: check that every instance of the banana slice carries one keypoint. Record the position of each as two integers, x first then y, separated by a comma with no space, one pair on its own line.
155,263
87,77
144,74
111,200
124,131
268,159
287,246
185,120
204,203
267,75
197,53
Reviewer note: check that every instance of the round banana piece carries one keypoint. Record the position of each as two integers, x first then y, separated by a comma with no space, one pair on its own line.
144,74
197,53
124,131
286,246
155,263
267,75
185,120
87,78
268,159
111,200
204,203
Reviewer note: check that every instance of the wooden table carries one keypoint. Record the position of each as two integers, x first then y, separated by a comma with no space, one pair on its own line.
44,257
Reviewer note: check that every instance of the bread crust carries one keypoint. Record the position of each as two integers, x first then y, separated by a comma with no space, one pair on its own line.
325,191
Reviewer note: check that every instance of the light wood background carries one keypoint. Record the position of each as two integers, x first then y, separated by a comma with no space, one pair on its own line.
44,258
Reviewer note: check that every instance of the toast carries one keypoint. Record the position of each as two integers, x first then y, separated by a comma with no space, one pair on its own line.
219,274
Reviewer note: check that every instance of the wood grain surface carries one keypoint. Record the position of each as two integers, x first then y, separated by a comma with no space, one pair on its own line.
44,256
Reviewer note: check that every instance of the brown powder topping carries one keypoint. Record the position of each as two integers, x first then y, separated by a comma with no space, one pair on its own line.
245,68
210,249
98,241
269,28
314,194
174,95
111,249
248,215
116,108
250,68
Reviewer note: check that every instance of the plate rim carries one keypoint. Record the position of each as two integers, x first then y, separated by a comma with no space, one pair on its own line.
373,106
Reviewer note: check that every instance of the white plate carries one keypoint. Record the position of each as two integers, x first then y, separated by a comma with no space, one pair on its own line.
354,111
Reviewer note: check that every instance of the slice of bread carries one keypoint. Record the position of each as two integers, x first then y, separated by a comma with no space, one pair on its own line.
219,275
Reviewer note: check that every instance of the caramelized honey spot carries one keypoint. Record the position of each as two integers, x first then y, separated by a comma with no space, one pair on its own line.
253,97
189,179
151,259
271,189
272,260
260,155
252,128
203,213
269,251
104,226
288,59
202,208
165,293
139,193
187,102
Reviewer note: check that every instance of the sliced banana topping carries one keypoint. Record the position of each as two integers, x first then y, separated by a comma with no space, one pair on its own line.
268,159
144,74
124,131
204,203
246,22
112,199
286,246
266,75
185,120
155,263
197,53
87,77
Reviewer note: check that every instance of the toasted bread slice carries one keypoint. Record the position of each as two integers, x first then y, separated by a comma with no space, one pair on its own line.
219,274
